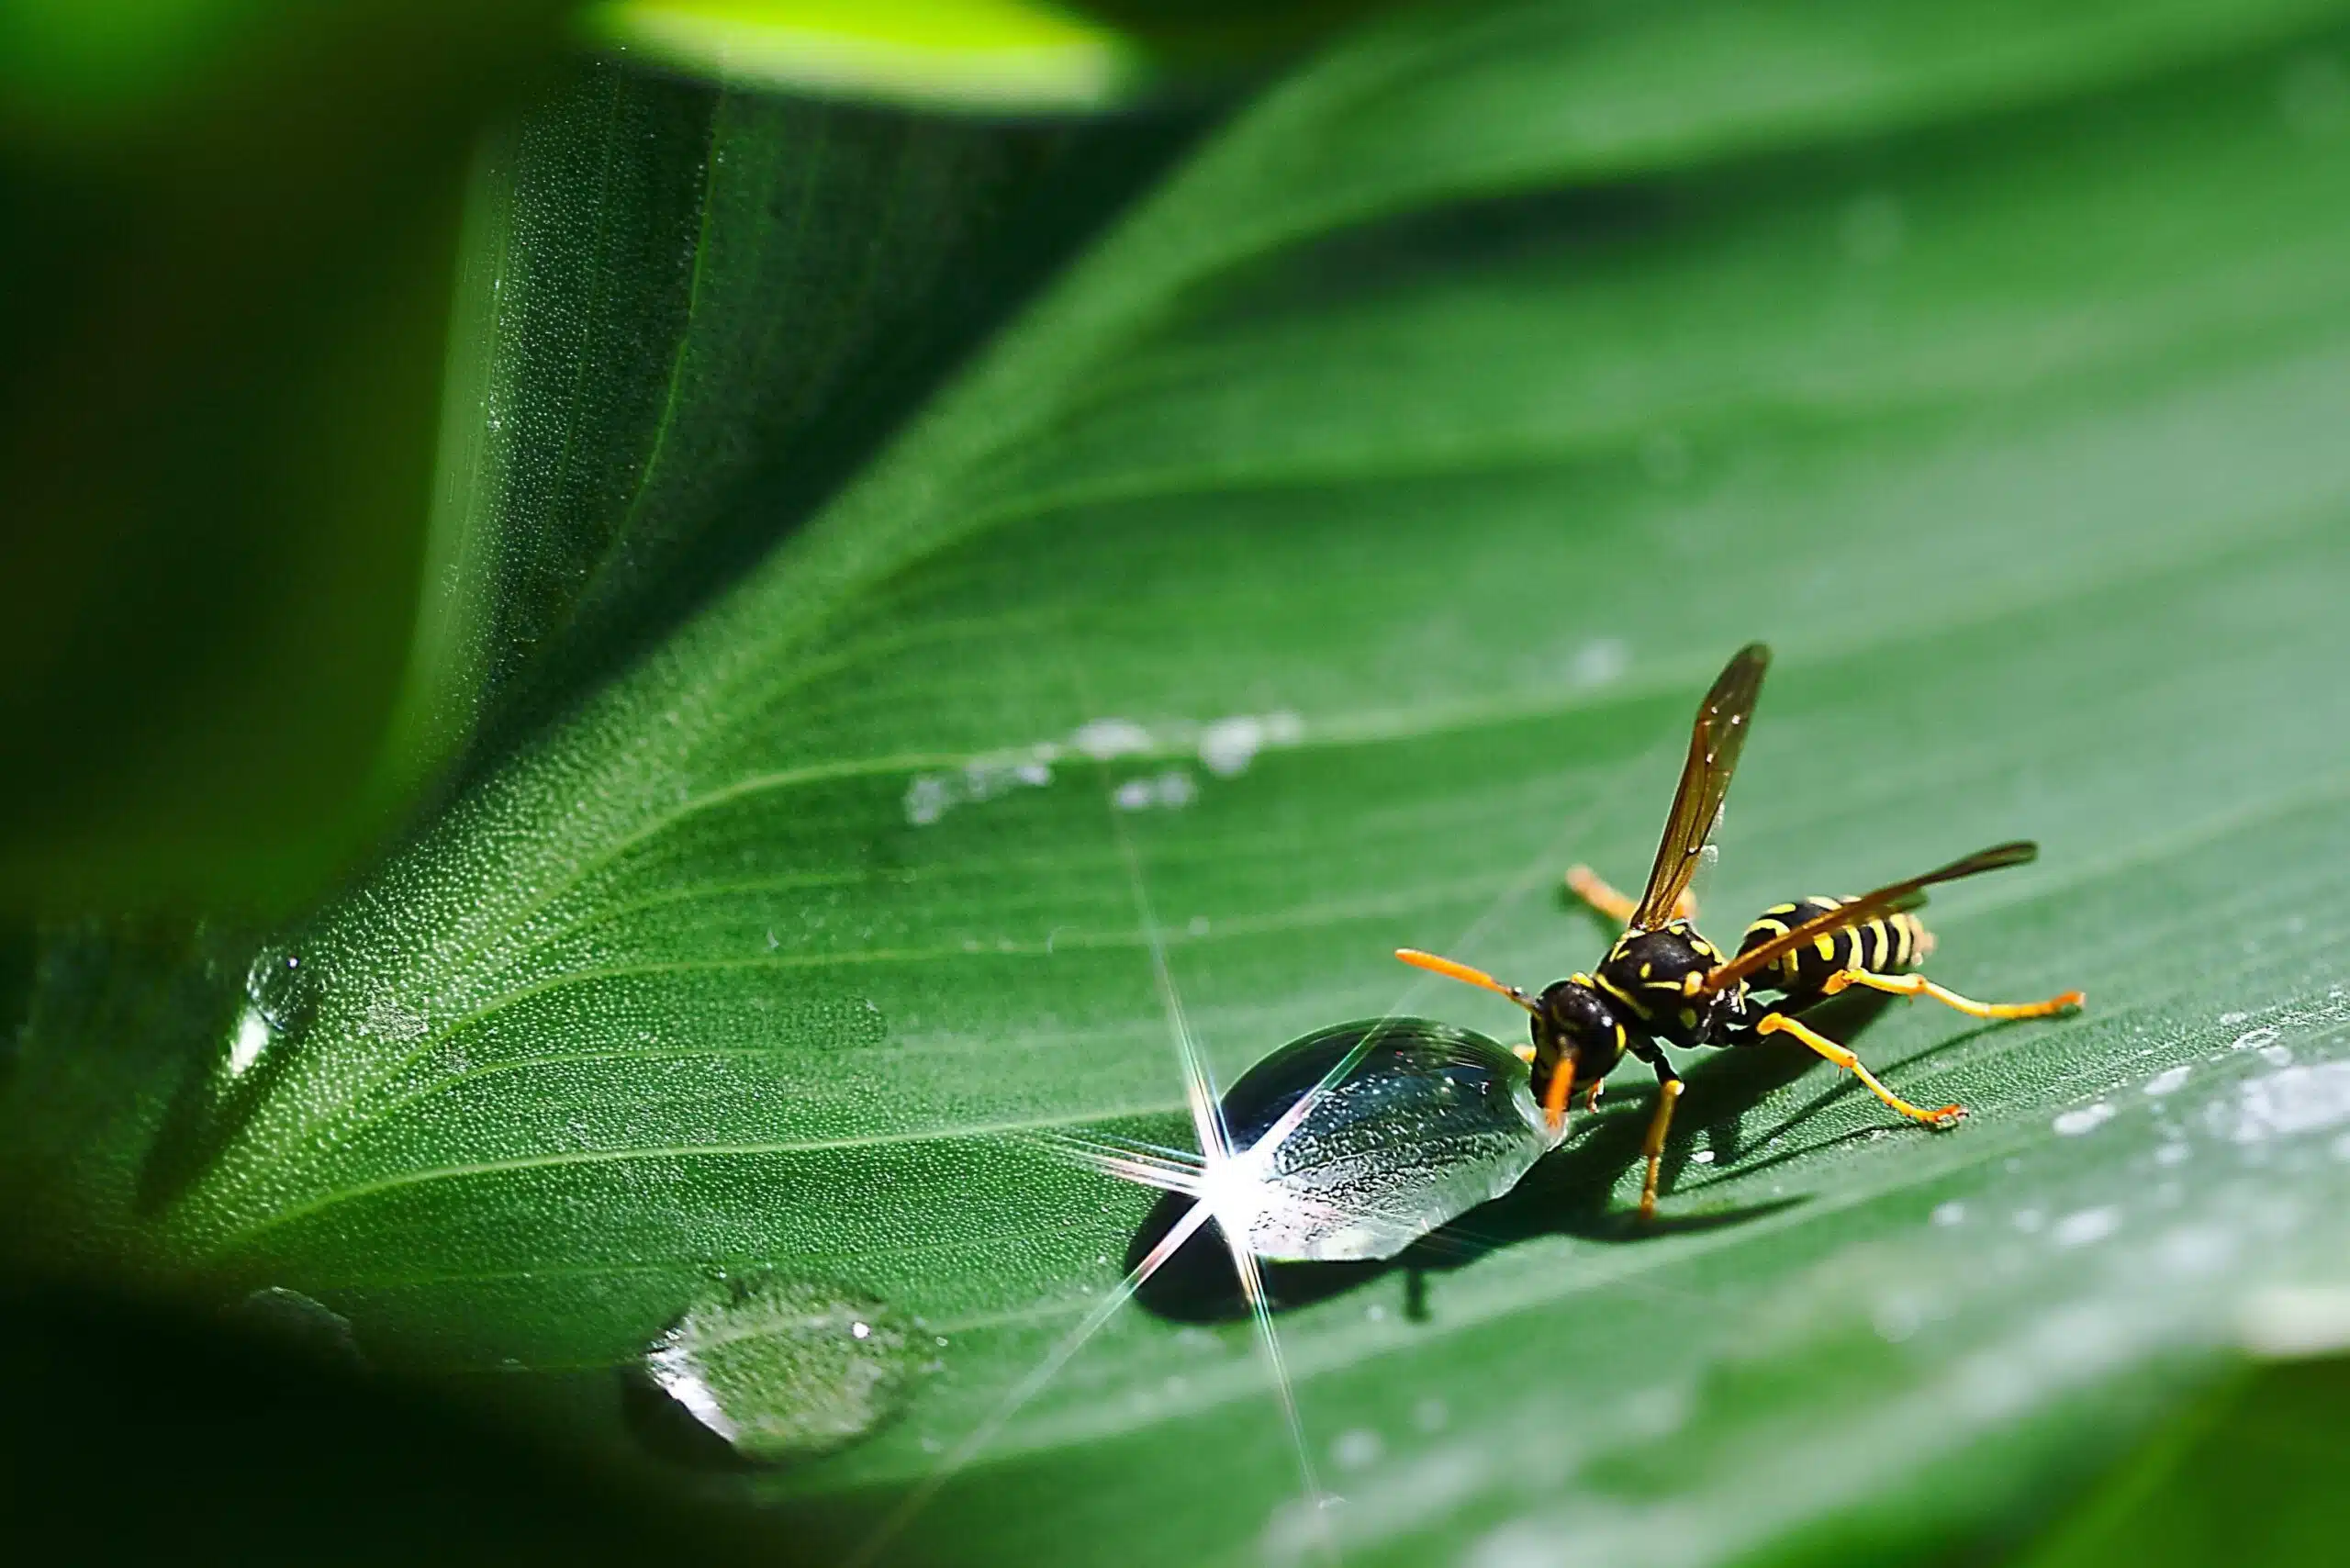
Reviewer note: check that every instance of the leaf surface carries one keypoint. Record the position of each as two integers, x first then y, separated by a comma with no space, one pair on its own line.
1331,555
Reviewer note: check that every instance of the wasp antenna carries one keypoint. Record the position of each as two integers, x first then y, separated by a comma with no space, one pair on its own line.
1462,973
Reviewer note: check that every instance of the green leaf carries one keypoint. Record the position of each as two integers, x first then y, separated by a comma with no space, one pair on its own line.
996,54
226,321
2244,1473
1374,502
687,317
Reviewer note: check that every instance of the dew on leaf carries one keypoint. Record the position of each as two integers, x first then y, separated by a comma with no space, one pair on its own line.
773,1369
2085,1119
2293,1100
2086,1226
298,1322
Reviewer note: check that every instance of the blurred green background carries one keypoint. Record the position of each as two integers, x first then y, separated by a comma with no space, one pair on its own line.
624,625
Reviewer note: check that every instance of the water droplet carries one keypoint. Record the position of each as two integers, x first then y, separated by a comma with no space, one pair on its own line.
2086,1227
1429,1122
1950,1214
389,1018
2295,1100
1105,738
1358,1449
1229,745
221,1090
2086,1118
1603,659
298,1321
2252,1039
775,1369
1896,1320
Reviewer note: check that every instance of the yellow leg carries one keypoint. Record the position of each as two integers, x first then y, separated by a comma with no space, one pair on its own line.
1779,1023
1587,885
1668,1090
1919,985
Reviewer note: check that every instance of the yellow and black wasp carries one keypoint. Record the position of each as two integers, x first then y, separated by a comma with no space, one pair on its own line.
1662,982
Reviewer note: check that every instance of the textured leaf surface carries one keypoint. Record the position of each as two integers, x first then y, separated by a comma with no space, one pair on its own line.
1349,536
690,314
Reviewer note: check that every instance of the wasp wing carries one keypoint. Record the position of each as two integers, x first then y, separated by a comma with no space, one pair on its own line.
1889,899
1713,744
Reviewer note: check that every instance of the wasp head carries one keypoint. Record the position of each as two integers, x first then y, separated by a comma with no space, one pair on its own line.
1573,1027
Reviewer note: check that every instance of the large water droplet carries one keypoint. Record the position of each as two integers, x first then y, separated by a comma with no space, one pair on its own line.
1432,1121
775,1369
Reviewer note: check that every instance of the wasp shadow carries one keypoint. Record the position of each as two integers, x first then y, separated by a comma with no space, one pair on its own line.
1570,1192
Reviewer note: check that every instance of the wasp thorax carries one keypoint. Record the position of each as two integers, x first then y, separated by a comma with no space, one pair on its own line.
1659,961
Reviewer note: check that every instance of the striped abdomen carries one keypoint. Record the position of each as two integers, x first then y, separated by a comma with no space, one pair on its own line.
1886,944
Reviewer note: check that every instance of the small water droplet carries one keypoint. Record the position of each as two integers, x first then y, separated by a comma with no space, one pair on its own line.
389,1018
221,1090
1357,1449
2252,1039
2167,1081
294,1319
1229,745
1950,1214
2086,1227
1605,659
2086,1118
775,1369
2295,1100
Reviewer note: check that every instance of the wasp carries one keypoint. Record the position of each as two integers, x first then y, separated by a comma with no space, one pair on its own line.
1663,983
